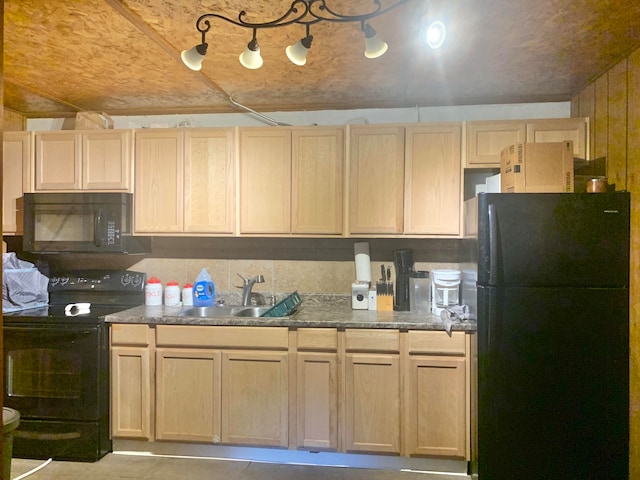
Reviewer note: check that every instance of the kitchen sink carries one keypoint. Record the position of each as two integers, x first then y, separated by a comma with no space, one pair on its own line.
252,312
223,311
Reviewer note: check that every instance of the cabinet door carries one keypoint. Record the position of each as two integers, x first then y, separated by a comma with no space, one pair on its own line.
131,410
485,141
376,186
317,180
159,166
209,181
188,395
16,179
58,161
255,398
106,160
317,400
560,130
372,403
433,180
436,406
265,180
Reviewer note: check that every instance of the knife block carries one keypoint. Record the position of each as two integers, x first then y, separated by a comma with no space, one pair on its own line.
384,303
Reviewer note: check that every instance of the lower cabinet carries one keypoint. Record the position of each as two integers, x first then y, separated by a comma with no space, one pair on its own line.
131,381
255,404
378,391
188,395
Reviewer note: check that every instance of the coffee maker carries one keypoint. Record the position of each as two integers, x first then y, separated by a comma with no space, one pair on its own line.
403,263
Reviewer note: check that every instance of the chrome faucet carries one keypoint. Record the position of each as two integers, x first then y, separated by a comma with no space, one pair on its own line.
247,285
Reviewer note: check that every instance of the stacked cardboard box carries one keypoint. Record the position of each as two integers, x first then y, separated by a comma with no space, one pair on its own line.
537,168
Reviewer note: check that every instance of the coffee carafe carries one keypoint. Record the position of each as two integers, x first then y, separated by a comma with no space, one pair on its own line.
403,263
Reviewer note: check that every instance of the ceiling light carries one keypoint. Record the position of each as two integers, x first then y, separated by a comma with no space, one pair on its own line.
193,57
436,34
374,45
302,12
251,58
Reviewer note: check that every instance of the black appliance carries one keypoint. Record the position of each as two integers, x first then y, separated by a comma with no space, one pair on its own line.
553,335
403,264
81,222
56,365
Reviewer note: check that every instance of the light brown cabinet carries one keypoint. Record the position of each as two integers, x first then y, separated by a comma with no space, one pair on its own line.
372,391
132,369
184,181
255,398
291,180
317,388
16,178
486,139
436,393
192,417
376,185
354,391
83,160
405,180
433,172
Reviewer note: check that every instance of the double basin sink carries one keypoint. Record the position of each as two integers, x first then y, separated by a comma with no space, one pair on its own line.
224,311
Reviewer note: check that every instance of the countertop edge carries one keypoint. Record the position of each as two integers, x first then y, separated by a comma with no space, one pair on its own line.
309,317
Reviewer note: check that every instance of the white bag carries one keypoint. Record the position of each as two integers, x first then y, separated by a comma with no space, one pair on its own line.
23,286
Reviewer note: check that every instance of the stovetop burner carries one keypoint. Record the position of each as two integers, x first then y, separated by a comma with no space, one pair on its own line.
107,291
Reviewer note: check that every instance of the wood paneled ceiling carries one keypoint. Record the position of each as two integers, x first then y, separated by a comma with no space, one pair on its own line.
123,56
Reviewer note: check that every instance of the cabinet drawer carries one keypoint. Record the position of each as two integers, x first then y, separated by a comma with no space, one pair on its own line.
270,338
372,340
317,339
138,335
439,342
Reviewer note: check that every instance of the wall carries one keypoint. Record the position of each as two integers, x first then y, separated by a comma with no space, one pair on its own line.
612,102
332,117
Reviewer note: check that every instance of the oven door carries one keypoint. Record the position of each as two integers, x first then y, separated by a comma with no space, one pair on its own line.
52,372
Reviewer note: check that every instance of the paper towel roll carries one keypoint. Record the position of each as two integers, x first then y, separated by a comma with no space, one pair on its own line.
363,262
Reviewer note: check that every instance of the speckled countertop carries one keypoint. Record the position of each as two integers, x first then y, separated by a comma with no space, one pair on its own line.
338,316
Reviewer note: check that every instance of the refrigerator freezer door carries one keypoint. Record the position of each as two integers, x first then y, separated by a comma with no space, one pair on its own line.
553,239
553,381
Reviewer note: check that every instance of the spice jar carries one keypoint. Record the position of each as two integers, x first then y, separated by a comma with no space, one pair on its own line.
172,294
153,292
187,294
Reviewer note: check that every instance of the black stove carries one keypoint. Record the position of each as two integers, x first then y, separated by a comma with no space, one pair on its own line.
57,365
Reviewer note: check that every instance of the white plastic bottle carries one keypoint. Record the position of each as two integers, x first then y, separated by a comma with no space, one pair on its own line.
203,290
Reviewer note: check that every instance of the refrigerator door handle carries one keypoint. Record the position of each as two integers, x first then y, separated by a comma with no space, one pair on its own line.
493,245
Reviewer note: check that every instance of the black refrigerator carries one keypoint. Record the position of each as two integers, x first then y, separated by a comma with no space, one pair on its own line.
551,299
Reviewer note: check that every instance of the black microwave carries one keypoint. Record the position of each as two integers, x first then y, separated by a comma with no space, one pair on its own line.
81,222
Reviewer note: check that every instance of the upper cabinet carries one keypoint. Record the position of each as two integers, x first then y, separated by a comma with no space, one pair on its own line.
291,180
376,185
485,140
97,160
405,180
433,170
561,130
16,178
184,181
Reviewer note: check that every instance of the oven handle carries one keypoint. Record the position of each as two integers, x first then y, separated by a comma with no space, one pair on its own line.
85,330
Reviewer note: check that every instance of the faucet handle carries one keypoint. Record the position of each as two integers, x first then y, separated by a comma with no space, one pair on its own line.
245,281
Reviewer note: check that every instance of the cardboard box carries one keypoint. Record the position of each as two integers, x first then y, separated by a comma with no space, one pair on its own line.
537,168
93,120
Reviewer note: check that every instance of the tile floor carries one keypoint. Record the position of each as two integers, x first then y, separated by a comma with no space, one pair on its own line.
118,466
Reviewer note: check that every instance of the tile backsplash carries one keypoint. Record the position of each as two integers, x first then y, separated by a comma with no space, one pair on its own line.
281,276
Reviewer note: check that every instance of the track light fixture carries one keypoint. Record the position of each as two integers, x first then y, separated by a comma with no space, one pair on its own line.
302,12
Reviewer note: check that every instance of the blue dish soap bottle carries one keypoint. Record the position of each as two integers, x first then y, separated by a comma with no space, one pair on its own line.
203,290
